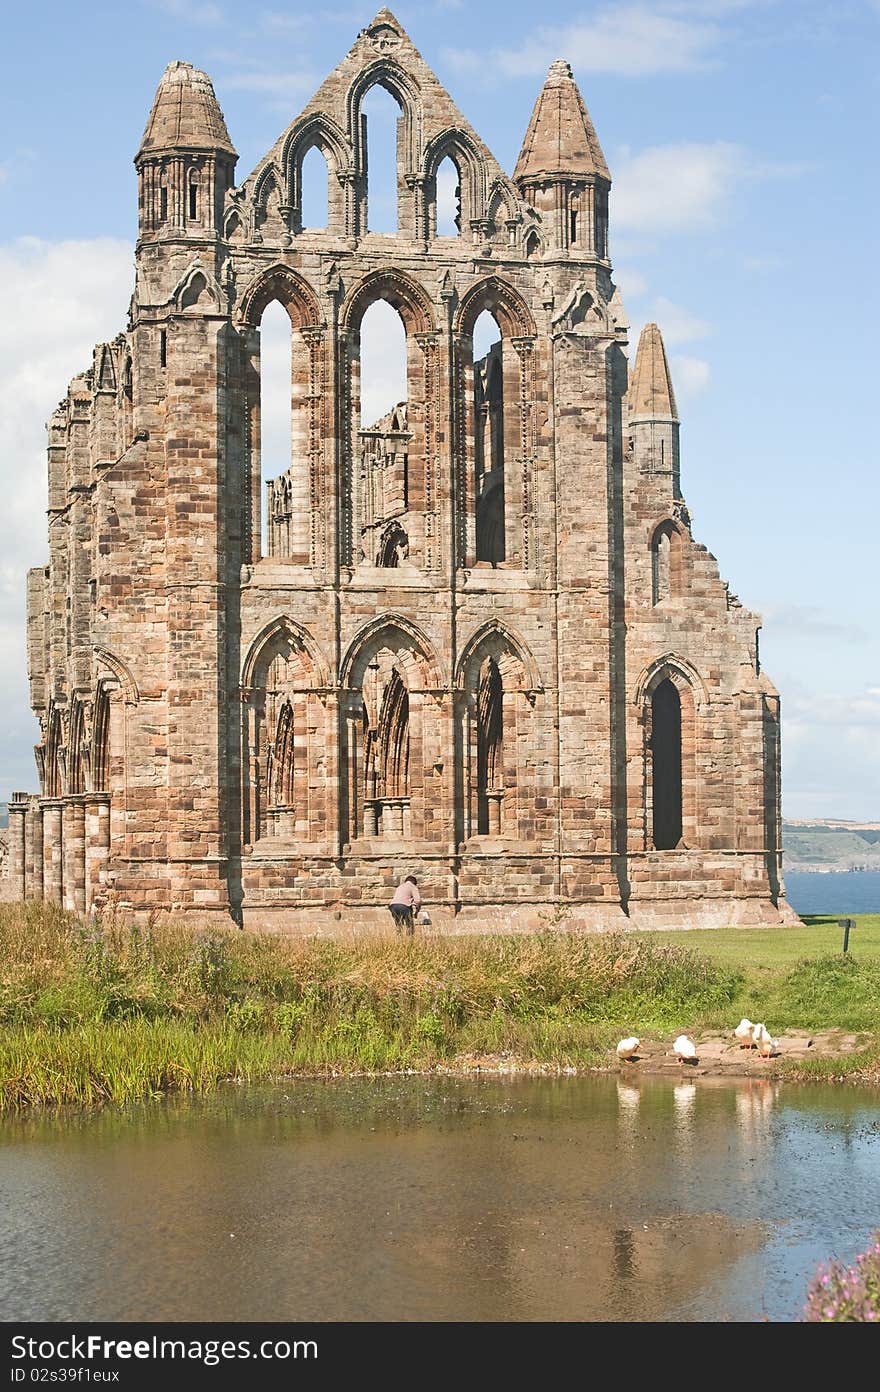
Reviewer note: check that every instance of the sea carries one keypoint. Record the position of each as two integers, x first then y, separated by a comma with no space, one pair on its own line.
837,892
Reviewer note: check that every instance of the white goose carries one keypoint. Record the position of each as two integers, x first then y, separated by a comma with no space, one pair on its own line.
765,1045
685,1049
627,1048
743,1033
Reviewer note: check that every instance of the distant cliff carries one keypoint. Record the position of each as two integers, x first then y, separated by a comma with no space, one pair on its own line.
832,845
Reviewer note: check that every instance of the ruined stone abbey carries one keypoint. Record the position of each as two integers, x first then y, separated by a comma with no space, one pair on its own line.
473,641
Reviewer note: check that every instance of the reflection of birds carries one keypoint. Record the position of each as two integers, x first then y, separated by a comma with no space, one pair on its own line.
628,1047
685,1049
763,1041
743,1033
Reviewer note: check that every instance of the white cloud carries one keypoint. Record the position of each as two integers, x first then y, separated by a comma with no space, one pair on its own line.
677,324
690,376
60,298
686,186
631,282
672,188
809,621
628,39
279,22
280,85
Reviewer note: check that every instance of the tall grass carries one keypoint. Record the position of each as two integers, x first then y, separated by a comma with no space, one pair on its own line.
114,1012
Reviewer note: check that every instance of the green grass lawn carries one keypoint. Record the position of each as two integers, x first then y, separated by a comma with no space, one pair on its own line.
760,949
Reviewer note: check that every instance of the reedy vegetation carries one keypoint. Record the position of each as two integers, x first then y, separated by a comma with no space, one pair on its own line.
114,1012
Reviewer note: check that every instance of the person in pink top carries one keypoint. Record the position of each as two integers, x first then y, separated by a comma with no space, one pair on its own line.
405,904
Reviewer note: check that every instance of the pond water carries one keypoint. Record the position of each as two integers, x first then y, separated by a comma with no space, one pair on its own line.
440,1199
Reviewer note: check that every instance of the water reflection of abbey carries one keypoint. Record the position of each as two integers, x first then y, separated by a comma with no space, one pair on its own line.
473,640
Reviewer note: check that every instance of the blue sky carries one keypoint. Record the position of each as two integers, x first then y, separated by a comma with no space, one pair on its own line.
741,136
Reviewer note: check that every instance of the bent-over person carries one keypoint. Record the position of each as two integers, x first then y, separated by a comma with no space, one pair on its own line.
405,904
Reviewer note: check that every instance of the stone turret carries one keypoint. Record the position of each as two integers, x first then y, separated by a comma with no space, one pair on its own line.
561,169
186,160
653,415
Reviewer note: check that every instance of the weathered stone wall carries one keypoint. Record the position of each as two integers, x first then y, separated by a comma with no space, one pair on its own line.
276,738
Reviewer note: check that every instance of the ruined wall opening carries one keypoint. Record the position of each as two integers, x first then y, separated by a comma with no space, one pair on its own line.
448,199
276,428
488,352
666,767
384,436
666,563
380,127
314,184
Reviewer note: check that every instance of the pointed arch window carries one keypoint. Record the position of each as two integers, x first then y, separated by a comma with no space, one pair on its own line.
490,750
666,563
490,540
448,198
384,436
278,522
666,766
386,763
380,125
314,186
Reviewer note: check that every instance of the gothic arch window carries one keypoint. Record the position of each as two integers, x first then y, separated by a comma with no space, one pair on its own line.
270,221
393,548
500,686
670,692
387,808
490,750
489,431
283,496
390,783
276,433
447,185
666,769
496,379
195,292
532,244
390,361
381,114
314,182
667,562
284,738
318,161
384,437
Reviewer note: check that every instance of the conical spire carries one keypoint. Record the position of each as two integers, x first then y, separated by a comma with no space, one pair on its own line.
560,141
185,114
650,391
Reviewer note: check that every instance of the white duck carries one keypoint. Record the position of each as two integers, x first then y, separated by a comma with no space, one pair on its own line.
685,1049
627,1048
765,1045
743,1033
